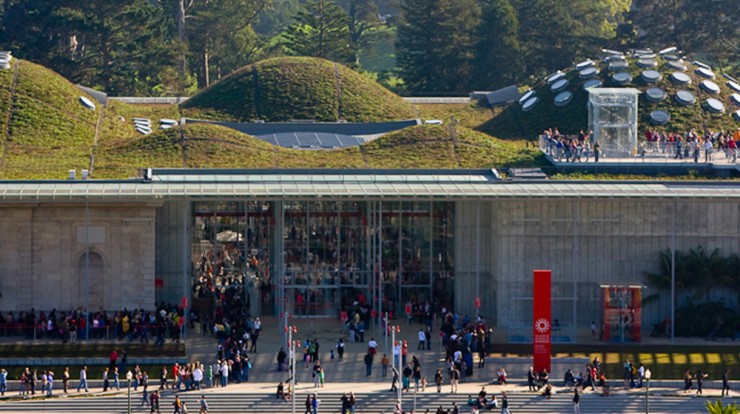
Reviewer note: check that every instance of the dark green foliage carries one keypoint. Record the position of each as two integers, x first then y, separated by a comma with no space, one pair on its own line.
696,26
497,52
321,29
435,45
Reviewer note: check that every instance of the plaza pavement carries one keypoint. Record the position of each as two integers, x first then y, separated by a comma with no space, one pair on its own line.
349,374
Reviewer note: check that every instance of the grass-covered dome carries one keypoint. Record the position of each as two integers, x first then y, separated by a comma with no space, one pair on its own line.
286,88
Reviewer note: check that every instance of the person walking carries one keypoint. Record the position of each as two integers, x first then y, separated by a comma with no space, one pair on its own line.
281,356
65,379
83,379
454,378
203,405
49,382
686,381
726,383
384,362
422,339
144,381
700,381
4,381
177,405
394,380
438,380
154,402
530,379
315,404
368,364
576,402
106,381
504,404
308,405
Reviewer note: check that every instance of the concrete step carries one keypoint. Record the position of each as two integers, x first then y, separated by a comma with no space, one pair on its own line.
372,403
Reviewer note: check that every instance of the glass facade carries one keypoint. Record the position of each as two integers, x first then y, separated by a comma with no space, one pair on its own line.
322,257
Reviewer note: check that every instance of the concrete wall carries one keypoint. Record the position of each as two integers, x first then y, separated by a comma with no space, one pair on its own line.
585,242
42,256
173,264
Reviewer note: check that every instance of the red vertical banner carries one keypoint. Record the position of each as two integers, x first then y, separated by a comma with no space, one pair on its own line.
542,320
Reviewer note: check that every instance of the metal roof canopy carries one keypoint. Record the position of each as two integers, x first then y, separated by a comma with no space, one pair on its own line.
343,184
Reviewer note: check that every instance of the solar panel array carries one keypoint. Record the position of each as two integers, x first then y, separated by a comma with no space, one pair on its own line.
315,135
646,70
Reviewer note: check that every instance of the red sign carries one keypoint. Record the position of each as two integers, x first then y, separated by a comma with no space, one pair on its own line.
477,303
542,320
184,302
158,283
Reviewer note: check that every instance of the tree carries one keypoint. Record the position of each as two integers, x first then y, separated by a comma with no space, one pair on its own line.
435,44
497,51
321,29
363,20
220,31
695,26
545,36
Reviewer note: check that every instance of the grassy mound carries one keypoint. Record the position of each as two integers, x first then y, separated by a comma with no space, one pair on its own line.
42,120
213,146
282,89
513,122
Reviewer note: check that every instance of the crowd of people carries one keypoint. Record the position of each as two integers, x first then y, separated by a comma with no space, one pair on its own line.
69,326
690,145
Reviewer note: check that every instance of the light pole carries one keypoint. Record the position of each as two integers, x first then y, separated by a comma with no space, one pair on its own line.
648,374
397,363
290,330
129,376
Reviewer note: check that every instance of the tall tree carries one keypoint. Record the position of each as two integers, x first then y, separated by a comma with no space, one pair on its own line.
363,20
220,32
708,27
545,35
321,29
435,44
497,52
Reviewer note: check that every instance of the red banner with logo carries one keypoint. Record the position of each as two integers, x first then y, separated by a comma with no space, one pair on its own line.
542,320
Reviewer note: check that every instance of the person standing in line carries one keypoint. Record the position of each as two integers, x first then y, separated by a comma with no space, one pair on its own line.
65,379
203,405
83,379
726,383
576,402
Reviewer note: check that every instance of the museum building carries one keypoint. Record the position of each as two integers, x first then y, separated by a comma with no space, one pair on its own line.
313,242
